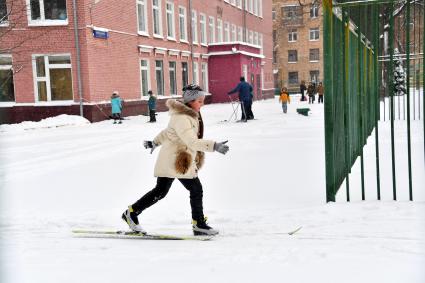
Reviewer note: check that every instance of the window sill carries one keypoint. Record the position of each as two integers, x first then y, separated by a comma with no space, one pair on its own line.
314,61
313,40
171,39
158,36
292,41
184,41
142,33
292,62
204,44
48,23
55,103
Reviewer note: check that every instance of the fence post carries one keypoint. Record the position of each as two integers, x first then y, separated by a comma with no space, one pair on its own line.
329,111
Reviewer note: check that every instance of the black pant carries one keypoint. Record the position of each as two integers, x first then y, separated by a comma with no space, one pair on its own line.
247,110
320,99
152,116
116,116
163,185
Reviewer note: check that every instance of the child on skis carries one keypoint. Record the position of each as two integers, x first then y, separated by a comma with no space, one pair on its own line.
181,156
152,107
284,99
116,105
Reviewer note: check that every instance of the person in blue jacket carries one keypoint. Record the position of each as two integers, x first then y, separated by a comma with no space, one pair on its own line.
116,105
245,97
152,106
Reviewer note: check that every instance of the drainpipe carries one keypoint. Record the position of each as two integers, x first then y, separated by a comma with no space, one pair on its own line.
244,21
191,41
77,47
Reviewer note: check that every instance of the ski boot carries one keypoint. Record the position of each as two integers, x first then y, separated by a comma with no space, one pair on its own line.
201,228
130,217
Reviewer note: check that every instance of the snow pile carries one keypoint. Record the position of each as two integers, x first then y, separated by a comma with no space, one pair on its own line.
51,122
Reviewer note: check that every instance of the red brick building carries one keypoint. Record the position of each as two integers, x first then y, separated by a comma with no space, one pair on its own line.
130,46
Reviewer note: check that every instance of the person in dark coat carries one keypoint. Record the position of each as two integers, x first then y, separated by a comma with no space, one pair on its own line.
245,97
303,89
152,106
310,92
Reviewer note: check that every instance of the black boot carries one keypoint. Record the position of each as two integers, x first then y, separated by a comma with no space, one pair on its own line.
201,228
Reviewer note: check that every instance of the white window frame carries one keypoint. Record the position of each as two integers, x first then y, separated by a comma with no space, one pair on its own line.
255,7
261,43
162,78
260,8
239,4
250,6
291,34
157,9
46,79
6,20
219,30
226,32
256,38
43,21
175,75
204,75
251,37
313,32
211,27
147,69
145,16
315,9
240,34
182,18
245,71
203,29
8,68
233,33
195,73
171,27
194,25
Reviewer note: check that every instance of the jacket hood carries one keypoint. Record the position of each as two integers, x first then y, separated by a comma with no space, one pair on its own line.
177,107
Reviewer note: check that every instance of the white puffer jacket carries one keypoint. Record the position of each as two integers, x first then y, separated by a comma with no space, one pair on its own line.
182,152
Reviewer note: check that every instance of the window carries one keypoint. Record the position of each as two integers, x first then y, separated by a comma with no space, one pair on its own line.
156,16
240,34
250,4
255,7
185,74
170,20
219,30
314,34
159,77
274,14
314,76
292,35
293,77
274,56
211,29
314,55
144,76
239,4
260,8
53,77
260,42
203,28
173,78
204,76
47,11
245,71
274,37
233,34
232,2
194,27
142,16
3,13
195,73
182,24
291,12
314,11
292,56
251,37
7,93
256,38
226,32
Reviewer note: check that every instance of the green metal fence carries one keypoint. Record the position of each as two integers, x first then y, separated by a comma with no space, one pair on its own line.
353,83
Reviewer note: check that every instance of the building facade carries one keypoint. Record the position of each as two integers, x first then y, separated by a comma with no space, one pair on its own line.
51,64
297,43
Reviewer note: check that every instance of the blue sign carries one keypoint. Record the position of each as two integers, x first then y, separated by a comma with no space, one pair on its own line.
100,34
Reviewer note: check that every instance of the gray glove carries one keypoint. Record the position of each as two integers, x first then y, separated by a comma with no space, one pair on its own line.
150,144
221,147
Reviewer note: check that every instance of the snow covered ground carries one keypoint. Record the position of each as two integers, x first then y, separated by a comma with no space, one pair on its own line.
82,175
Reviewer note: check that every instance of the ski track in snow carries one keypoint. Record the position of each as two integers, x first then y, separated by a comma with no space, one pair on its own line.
271,182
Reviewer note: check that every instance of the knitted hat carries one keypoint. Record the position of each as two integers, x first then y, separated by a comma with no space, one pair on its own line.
192,92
